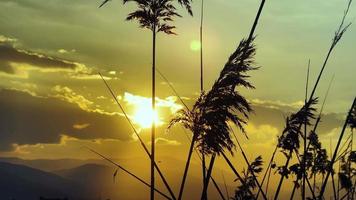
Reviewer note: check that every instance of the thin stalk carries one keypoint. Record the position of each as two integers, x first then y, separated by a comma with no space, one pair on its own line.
201,47
321,109
322,190
181,100
282,177
204,195
338,183
128,172
153,128
307,180
338,35
268,168
212,178
269,176
349,163
185,173
256,21
334,189
332,176
314,129
353,190
226,190
293,191
305,135
202,77
236,173
249,166
203,168
172,88
218,189
344,152
138,136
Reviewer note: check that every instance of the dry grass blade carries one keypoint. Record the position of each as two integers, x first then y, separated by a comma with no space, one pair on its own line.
127,171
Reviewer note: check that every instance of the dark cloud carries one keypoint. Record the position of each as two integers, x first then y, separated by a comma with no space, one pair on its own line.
10,54
26,119
276,116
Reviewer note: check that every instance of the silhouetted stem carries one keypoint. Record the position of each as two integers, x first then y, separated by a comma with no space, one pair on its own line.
202,77
250,169
333,182
212,178
203,168
339,34
256,21
218,189
292,195
269,176
186,167
201,47
236,173
138,136
181,100
204,195
128,172
269,167
307,180
153,128
282,176
226,190
322,190
305,135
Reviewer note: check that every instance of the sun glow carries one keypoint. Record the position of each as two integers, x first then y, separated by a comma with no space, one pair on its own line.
195,45
145,116
141,113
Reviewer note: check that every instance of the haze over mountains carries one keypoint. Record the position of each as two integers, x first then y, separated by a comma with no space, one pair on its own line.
22,182
80,179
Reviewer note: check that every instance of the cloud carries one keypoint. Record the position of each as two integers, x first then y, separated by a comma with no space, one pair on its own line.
67,94
17,62
168,102
64,51
84,76
10,55
275,113
278,104
81,126
4,39
262,134
164,141
142,109
27,119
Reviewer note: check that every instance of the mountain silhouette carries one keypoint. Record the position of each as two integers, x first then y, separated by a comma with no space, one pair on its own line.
22,182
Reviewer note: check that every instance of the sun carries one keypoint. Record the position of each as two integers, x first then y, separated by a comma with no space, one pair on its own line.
195,45
144,116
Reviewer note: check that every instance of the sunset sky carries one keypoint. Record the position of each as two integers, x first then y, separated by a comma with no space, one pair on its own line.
53,103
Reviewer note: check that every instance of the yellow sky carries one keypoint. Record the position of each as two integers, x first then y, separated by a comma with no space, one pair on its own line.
51,52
